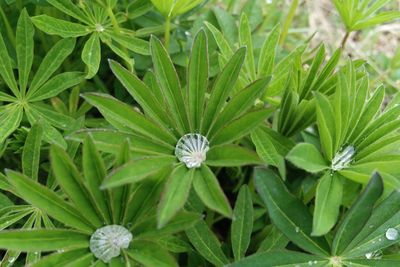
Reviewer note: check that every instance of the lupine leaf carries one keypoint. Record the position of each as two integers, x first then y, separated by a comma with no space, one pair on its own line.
59,27
31,151
91,55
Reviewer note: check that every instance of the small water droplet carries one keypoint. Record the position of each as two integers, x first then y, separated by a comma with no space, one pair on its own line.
392,234
310,263
297,229
11,259
99,27
315,262
376,255
343,158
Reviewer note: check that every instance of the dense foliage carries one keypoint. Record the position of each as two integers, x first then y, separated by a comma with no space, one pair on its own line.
195,133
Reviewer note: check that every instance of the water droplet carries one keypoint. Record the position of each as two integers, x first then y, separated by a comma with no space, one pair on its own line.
106,242
376,255
268,2
191,149
99,27
310,263
297,229
392,234
315,262
11,259
371,226
343,158
60,251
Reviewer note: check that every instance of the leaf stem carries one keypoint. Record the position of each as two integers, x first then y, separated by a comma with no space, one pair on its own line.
114,21
288,21
344,40
167,32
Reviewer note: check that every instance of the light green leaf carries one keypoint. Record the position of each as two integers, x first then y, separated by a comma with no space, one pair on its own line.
31,151
210,192
246,40
94,172
151,254
91,55
231,155
45,199
67,7
59,27
197,79
10,118
56,85
6,70
72,183
24,48
61,259
51,62
132,43
274,240
205,242
328,198
268,51
240,127
307,157
169,83
242,223
222,88
326,125
175,194
33,240
117,111
288,213
137,170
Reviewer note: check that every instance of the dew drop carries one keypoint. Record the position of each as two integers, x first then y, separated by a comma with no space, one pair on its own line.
106,242
297,229
310,263
191,149
11,259
392,234
376,255
99,27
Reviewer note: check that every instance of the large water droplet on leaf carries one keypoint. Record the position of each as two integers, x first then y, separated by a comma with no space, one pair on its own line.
191,149
343,158
392,234
106,242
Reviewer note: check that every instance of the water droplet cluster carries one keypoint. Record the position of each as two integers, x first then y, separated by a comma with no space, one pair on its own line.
191,149
343,158
106,242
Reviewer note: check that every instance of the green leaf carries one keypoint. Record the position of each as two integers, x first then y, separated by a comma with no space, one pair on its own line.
274,240
151,104
175,194
358,215
67,7
222,88
288,213
48,201
267,55
197,76
307,157
94,172
328,198
132,43
372,236
242,223
150,254
72,183
246,40
326,124
137,170
240,127
222,43
51,62
61,259
265,148
281,259
205,242
24,48
31,151
59,27
169,83
116,111
33,240
10,118
56,85
6,70
208,189
240,103
231,155
91,55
